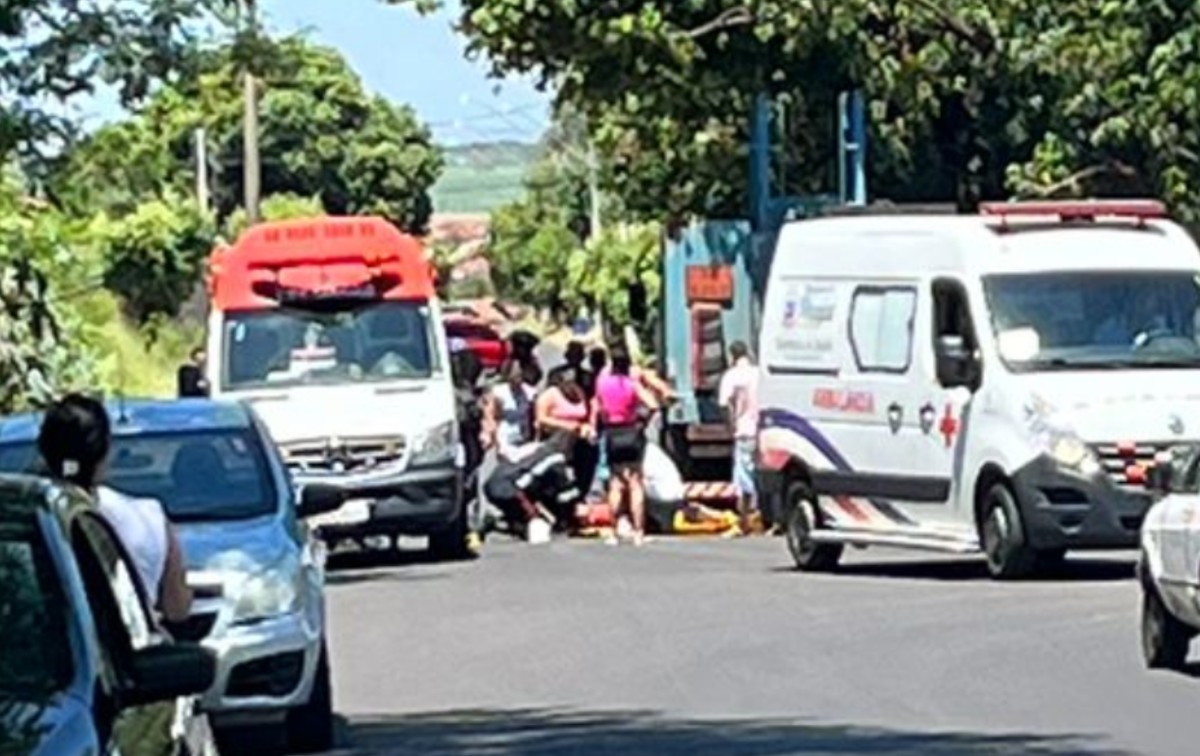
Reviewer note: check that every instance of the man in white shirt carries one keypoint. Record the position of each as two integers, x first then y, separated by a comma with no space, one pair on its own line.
739,395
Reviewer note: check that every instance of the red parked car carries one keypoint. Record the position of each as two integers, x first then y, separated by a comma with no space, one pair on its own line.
487,344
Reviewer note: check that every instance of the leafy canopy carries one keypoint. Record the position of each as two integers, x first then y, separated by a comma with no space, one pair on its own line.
966,100
54,50
322,136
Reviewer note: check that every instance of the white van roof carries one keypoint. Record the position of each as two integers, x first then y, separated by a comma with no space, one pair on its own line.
1003,238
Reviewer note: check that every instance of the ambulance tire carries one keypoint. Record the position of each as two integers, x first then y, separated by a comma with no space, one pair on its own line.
801,518
1002,536
1165,640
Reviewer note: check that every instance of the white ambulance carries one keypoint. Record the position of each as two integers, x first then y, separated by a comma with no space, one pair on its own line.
997,382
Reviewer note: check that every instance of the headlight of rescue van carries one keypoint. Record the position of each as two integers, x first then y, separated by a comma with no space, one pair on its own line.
436,445
270,593
1058,439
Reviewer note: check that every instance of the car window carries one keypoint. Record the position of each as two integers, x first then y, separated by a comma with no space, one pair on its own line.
881,328
197,475
117,598
36,660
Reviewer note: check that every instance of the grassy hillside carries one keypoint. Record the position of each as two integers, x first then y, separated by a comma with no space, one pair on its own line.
481,177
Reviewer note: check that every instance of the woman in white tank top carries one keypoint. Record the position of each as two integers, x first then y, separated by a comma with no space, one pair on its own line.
74,442
508,414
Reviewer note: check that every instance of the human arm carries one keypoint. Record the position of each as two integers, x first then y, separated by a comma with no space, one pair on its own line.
487,434
656,383
174,595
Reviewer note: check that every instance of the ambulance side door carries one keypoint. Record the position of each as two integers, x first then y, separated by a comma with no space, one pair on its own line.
944,408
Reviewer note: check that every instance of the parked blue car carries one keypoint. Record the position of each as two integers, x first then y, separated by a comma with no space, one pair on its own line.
256,570
84,667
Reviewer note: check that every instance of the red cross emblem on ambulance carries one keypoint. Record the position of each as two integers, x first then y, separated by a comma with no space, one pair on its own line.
948,426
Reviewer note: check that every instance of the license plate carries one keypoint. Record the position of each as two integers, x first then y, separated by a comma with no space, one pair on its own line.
353,512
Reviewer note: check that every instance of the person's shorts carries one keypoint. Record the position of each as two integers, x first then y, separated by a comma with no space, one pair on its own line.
625,445
744,452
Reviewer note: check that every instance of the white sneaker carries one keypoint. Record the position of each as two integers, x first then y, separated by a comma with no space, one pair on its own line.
538,532
624,529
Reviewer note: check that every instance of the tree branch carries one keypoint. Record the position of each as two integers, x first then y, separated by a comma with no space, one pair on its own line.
737,16
1073,181
979,39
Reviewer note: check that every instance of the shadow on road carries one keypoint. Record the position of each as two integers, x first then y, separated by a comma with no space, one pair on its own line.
1072,570
539,732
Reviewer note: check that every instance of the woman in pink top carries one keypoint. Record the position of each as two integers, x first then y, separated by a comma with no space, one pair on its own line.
619,398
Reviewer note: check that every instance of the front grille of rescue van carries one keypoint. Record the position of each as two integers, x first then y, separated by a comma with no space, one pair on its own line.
1126,464
343,455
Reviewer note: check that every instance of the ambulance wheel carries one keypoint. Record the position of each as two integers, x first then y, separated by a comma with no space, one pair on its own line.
1002,535
802,518
1165,640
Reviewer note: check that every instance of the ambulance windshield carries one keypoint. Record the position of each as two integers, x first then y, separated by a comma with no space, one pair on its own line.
1097,320
369,342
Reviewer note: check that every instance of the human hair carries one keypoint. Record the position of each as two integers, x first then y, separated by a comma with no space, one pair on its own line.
597,359
622,362
75,438
575,352
198,354
738,350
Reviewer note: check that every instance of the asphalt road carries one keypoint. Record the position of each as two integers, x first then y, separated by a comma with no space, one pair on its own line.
718,647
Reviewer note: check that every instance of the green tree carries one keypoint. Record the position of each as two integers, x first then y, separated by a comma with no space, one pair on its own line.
277,207
966,100
322,135
55,50
154,257
42,348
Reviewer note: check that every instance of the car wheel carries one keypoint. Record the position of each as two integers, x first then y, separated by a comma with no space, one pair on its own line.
1165,640
801,520
310,727
1003,536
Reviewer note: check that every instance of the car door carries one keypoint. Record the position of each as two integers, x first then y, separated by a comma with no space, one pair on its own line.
944,412
881,416
124,624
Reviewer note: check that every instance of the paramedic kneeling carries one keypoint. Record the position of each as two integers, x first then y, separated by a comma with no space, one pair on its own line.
739,395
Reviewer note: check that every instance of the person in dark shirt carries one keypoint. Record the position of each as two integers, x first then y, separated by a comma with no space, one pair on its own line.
190,380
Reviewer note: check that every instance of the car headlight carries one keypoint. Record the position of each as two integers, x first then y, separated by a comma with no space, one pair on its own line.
438,444
1058,439
270,593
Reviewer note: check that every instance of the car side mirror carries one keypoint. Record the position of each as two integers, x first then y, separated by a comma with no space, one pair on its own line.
956,365
168,671
318,499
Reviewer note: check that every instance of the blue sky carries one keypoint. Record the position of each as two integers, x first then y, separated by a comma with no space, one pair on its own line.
412,59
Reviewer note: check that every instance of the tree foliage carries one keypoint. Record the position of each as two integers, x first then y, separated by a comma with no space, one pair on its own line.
277,207
54,50
41,348
154,257
322,136
966,100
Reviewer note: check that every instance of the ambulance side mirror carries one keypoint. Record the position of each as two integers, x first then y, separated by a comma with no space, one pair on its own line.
956,365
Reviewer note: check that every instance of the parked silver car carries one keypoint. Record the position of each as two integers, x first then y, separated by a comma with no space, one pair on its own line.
257,572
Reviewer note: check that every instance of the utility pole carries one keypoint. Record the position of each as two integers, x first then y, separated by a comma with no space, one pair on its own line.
252,166
203,192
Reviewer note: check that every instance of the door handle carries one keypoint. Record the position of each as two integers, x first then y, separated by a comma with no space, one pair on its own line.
895,414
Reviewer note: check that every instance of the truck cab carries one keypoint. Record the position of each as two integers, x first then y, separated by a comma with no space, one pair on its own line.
332,330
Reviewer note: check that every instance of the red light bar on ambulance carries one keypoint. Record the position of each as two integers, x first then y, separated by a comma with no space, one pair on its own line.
1141,210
